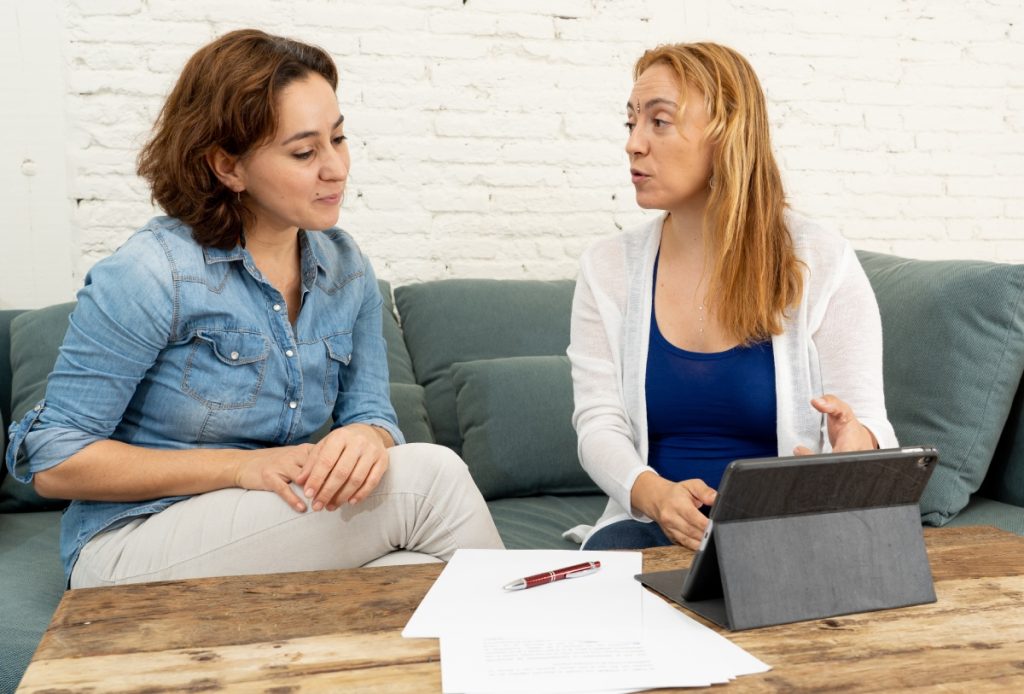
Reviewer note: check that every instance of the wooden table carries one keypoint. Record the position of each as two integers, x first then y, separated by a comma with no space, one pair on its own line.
340,631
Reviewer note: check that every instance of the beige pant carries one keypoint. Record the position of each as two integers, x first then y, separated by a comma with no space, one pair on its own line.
426,503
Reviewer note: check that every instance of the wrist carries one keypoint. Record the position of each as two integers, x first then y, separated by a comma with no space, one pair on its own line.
647,491
380,432
384,434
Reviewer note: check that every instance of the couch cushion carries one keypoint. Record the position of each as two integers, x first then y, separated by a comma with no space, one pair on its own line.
984,511
450,321
410,405
953,340
1005,479
6,316
537,522
32,581
515,420
36,337
399,362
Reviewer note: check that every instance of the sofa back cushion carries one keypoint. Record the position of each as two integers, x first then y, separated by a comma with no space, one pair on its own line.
36,337
6,316
1005,480
399,362
449,321
515,419
953,343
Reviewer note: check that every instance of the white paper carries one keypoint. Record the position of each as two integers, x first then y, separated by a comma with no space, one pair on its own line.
468,598
673,651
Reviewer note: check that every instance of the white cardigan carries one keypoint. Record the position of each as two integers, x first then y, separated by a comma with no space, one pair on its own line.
831,343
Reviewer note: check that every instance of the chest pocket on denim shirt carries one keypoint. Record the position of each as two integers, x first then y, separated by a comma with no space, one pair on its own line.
225,368
339,356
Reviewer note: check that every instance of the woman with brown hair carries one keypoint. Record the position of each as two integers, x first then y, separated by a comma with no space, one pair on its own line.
207,350
725,328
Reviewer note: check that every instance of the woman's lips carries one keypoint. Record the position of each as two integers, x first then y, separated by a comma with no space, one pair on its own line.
330,199
638,176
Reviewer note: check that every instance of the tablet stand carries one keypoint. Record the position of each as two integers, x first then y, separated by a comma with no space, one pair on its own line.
810,566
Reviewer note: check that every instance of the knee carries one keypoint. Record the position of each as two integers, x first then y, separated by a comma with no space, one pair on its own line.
438,462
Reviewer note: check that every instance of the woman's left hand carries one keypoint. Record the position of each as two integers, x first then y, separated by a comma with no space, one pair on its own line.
345,466
845,432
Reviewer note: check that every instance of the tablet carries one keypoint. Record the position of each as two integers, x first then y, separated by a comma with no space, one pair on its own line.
763,494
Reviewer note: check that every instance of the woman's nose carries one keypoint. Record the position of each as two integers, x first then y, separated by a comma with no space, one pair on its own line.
335,164
636,143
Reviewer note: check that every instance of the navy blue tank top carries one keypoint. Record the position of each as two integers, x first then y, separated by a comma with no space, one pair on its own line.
705,410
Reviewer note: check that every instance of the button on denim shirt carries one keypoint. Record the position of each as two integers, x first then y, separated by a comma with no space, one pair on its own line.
175,346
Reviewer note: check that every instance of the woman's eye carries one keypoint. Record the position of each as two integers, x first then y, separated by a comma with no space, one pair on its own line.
303,155
660,122
338,139
629,126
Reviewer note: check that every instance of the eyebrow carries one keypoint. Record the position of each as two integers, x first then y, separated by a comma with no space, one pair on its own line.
310,133
657,101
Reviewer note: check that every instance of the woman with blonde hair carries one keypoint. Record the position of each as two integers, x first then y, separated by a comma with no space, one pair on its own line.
726,327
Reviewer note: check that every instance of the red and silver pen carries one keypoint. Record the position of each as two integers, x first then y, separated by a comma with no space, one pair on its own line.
574,571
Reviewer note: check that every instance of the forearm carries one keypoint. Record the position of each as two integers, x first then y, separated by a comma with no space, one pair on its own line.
113,471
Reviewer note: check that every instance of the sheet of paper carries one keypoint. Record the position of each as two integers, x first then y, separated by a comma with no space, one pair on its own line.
468,598
669,625
497,665
673,651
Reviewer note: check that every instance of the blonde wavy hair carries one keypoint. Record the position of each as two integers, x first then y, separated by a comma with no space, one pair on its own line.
755,273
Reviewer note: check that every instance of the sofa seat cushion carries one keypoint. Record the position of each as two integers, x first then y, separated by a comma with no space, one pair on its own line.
450,321
32,582
515,420
537,522
984,511
953,343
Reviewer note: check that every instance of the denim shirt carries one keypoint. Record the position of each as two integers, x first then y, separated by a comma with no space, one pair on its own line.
176,346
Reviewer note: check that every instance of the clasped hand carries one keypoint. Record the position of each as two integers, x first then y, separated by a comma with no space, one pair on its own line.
343,467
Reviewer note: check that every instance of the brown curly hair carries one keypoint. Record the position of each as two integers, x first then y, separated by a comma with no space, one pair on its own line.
226,97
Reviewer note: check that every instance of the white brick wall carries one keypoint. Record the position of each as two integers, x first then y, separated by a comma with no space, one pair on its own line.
486,135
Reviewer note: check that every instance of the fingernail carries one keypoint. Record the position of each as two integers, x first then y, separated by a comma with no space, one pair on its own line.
309,492
300,507
332,508
318,505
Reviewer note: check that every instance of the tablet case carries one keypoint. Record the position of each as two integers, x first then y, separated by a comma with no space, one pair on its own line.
797,539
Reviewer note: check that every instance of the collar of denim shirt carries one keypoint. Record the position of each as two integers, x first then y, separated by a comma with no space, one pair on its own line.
311,260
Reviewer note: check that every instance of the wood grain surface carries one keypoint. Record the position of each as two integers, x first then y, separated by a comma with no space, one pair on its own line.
340,631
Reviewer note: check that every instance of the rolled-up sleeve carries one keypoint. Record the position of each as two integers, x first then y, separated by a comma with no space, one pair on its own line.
115,334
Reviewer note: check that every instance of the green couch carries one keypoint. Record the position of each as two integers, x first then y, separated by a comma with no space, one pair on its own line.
479,365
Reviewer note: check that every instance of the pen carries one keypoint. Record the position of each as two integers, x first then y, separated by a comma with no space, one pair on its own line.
574,571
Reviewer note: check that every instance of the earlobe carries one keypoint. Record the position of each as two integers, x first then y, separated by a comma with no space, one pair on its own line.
226,168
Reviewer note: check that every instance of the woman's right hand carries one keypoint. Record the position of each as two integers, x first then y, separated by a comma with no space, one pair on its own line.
675,506
273,470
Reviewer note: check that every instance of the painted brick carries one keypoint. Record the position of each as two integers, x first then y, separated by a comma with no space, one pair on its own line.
486,136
